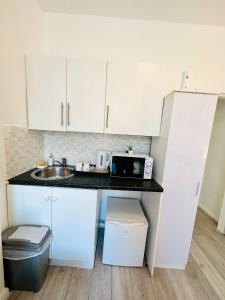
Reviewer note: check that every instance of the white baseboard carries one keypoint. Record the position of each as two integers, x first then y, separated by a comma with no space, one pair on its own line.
178,267
4,295
208,212
220,228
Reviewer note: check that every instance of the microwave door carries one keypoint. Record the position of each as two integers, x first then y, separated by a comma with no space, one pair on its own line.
132,167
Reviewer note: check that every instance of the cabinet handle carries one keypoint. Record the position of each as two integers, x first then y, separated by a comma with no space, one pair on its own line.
54,198
47,198
197,188
68,114
62,108
107,116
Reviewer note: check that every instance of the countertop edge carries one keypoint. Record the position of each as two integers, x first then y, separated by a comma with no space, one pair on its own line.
93,187
100,183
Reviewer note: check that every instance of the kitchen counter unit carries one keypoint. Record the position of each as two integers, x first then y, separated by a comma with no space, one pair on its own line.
91,182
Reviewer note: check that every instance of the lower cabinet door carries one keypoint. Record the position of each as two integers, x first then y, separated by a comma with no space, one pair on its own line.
29,205
74,224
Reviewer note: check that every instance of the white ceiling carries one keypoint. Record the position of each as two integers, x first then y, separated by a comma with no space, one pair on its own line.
208,12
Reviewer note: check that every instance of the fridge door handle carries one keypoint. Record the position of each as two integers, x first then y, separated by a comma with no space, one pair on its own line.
107,116
126,224
62,109
68,114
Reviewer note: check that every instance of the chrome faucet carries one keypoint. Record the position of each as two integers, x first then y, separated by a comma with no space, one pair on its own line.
63,163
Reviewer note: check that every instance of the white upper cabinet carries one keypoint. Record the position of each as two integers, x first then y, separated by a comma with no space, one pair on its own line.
93,96
134,98
46,92
86,81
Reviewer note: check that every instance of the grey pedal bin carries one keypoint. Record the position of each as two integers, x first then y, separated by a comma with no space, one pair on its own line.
26,256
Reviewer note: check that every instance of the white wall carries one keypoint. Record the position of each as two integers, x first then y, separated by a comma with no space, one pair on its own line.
21,31
3,206
179,46
213,186
3,215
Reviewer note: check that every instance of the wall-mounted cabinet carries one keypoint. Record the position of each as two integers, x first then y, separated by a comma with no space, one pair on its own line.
94,96
134,98
46,92
65,94
86,81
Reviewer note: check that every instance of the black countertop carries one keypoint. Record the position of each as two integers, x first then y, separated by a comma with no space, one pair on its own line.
91,182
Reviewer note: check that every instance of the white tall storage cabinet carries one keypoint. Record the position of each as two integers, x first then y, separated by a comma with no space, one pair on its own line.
180,156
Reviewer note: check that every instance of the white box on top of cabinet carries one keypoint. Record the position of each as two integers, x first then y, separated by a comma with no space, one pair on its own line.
67,94
72,214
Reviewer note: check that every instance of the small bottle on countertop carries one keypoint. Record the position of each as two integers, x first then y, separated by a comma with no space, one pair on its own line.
51,160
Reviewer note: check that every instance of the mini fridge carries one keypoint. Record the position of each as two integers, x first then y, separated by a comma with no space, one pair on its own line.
125,233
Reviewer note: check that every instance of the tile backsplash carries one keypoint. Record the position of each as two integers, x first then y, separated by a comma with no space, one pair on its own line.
84,146
23,147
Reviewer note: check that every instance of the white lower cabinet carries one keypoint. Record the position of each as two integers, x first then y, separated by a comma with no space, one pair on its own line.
74,224
71,213
29,205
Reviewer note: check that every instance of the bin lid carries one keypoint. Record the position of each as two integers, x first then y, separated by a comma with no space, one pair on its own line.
25,237
124,210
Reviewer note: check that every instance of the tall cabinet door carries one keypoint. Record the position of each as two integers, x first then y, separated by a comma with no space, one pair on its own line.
74,224
29,205
134,98
86,83
46,92
188,141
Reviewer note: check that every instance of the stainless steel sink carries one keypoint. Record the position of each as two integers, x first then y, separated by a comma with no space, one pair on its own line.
53,173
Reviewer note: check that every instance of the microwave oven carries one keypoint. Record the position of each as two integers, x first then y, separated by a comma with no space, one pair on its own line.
131,166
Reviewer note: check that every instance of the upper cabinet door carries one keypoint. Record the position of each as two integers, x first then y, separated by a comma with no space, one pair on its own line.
86,82
134,98
46,92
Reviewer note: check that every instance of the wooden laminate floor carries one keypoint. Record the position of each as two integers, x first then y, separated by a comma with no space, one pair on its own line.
204,277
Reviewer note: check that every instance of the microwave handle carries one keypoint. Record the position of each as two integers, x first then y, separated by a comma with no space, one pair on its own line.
109,161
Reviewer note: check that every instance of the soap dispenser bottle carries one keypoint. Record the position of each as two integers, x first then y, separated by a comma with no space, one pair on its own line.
51,160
